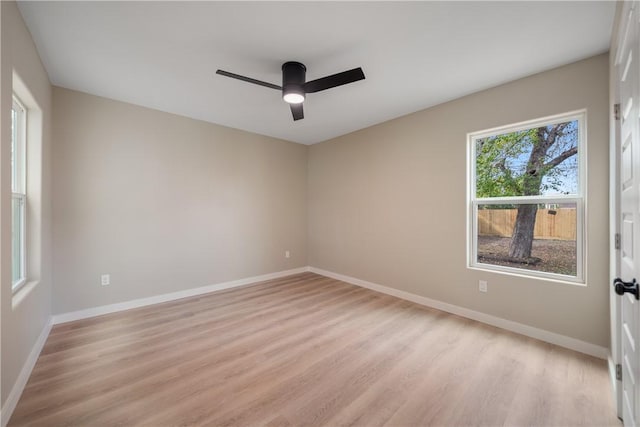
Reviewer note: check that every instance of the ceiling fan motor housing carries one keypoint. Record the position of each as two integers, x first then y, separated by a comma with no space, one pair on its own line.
293,78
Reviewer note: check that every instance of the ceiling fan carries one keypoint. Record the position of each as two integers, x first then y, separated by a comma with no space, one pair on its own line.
294,87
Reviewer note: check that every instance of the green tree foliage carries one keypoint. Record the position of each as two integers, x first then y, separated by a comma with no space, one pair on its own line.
526,163
495,177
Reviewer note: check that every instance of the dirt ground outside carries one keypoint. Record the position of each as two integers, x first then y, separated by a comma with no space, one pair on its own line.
556,256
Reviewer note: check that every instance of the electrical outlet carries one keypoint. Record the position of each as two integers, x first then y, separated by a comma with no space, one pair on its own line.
105,279
482,286
287,254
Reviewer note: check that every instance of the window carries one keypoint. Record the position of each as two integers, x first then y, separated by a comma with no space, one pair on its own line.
526,198
19,193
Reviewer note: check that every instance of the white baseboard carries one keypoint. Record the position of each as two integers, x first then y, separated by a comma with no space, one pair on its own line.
142,302
530,331
25,373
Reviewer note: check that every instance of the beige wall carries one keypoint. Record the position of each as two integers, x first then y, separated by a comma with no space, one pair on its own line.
25,315
163,203
387,204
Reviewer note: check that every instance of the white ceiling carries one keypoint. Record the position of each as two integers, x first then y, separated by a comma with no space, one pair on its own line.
164,55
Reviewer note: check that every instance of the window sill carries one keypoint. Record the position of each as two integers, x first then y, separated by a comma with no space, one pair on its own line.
21,292
15,288
528,275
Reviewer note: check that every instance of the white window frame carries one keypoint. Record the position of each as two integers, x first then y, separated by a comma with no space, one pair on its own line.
18,184
579,199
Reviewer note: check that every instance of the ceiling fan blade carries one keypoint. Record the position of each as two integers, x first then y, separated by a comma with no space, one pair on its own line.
248,79
297,111
334,80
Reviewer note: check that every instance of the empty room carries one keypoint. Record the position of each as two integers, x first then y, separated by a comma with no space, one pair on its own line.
319,213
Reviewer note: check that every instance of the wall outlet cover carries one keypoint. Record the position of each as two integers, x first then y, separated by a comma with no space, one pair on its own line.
482,286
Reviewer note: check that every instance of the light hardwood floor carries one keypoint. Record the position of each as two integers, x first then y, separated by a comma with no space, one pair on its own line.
306,351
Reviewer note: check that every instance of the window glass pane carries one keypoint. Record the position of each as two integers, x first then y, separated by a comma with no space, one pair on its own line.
18,151
14,148
17,236
502,236
530,162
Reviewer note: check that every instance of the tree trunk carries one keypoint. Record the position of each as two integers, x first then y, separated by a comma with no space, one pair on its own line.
543,139
522,238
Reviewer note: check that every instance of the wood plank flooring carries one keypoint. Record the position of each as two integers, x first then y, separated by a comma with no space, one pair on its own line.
306,350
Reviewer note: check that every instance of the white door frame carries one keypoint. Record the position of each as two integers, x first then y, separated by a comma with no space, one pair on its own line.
615,358
614,228
614,207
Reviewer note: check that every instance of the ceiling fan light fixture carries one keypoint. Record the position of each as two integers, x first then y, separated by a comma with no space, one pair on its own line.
293,97
295,86
293,79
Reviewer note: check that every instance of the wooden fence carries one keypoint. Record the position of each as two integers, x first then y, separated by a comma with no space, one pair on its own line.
500,222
